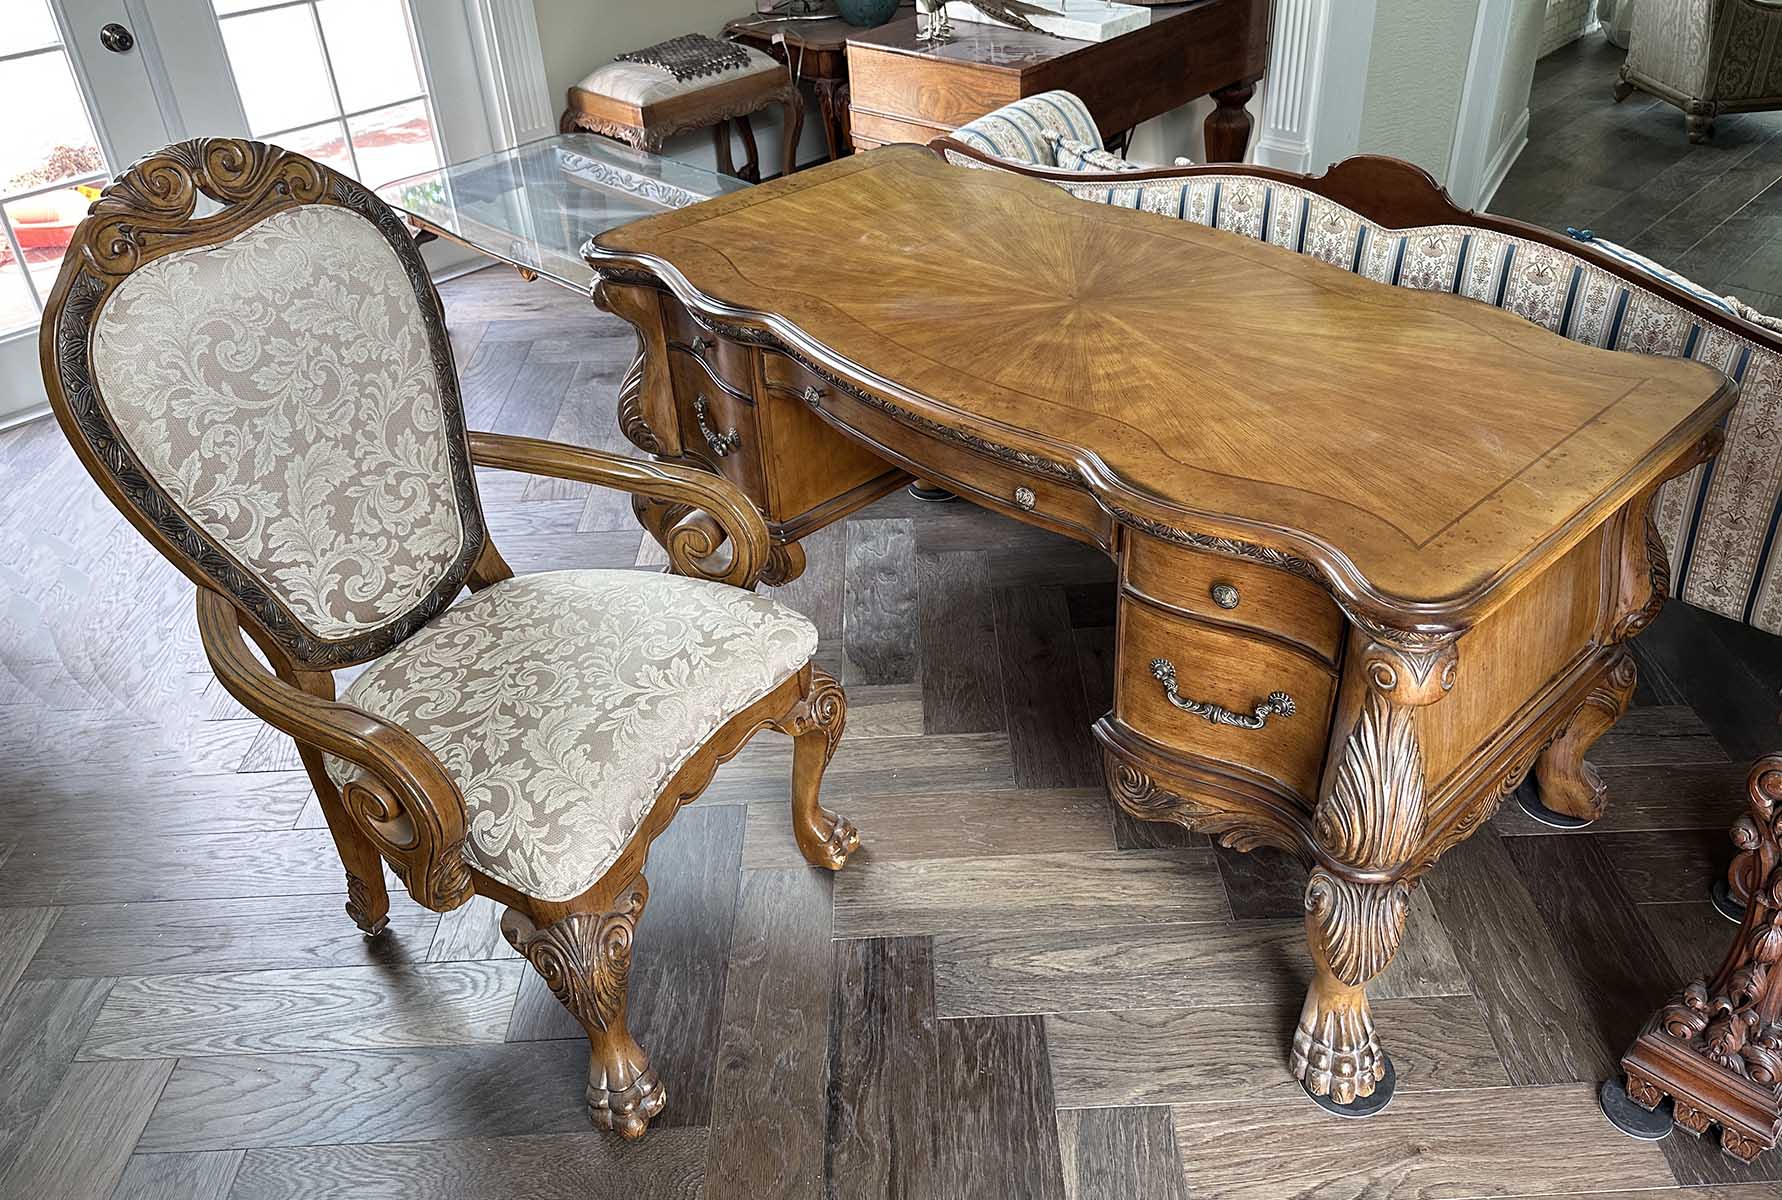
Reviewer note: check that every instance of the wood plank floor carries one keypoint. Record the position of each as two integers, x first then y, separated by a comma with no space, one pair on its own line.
1011,993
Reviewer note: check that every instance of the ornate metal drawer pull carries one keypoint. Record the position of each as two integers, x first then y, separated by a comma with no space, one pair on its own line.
812,395
721,443
699,345
1224,595
1278,704
1024,498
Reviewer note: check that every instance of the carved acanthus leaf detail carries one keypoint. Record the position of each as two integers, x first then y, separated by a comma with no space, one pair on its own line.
1374,815
1361,923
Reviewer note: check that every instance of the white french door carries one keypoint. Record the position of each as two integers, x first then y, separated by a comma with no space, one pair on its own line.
88,86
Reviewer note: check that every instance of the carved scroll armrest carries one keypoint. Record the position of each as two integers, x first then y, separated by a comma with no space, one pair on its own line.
404,800
720,510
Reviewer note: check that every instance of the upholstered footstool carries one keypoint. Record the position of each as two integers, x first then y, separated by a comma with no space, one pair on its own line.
647,96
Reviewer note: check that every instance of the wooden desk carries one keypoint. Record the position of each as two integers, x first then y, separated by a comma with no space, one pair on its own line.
900,91
1379,550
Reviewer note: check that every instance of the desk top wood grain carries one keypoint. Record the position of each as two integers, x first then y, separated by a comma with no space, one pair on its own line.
1428,454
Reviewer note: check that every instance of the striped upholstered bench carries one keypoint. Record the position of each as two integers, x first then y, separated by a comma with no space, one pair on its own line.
1388,220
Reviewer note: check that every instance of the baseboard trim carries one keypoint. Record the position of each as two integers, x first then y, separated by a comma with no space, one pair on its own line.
24,416
1503,160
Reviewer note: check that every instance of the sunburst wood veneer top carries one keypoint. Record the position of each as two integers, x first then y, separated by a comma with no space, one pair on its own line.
1425,451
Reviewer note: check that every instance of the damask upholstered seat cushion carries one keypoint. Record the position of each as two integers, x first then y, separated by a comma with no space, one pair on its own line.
562,702
1721,522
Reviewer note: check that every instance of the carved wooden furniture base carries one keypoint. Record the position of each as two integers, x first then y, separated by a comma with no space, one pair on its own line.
1267,689
1716,1049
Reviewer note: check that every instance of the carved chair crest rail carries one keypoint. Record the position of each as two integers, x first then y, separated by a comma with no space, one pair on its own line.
1378,552
268,395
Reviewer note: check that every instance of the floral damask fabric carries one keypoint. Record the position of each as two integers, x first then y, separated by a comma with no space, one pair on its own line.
563,702
280,388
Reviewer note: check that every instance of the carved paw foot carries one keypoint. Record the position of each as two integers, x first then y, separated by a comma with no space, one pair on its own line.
828,847
627,1112
1336,1053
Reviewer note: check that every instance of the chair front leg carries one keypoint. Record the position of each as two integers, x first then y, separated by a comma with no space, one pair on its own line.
585,959
368,900
824,838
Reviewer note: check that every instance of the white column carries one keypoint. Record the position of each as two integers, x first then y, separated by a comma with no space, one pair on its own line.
521,106
1317,78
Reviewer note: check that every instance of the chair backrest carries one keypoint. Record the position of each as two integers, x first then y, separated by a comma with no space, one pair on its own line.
268,394
1389,221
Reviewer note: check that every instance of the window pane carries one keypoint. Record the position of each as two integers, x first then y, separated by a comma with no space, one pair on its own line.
43,225
57,142
368,44
326,143
278,66
17,309
26,26
225,7
393,143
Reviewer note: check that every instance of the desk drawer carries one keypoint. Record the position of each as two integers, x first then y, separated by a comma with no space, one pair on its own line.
1231,591
1231,669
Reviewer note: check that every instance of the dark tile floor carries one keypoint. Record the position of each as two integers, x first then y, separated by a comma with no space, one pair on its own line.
1012,992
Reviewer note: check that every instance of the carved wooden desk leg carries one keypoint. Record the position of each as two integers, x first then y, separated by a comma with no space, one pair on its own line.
585,959
1716,1049
1568,792
824,838
1369,820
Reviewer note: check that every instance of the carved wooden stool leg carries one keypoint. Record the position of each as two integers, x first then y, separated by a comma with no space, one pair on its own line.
585,958
816,724
1569,786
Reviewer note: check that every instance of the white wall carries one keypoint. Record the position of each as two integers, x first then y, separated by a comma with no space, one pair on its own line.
579,35
1415,76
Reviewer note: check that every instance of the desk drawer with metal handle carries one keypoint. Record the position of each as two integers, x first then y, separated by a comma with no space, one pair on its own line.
1224,694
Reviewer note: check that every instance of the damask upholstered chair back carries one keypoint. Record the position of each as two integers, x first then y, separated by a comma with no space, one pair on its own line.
269,394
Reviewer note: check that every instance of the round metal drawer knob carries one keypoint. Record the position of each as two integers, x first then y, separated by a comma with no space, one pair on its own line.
1225,596
1024,497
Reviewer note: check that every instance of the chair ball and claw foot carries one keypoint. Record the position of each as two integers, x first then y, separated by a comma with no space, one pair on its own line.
585,959
526,742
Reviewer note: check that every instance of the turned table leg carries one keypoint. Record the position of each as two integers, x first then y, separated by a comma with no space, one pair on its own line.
1227,127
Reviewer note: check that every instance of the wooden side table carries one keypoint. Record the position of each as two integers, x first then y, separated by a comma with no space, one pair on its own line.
643,108
816,52
1716,1049
902,90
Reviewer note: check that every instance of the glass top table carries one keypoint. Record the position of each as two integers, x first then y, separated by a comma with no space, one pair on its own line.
534,205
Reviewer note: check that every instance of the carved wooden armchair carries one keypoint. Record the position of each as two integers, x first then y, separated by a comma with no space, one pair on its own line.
268,394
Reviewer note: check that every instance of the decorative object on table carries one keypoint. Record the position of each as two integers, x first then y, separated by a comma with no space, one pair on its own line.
526,743
646,96
904,92
1706,57
1715,524
1715,1051
1437,635
1079,20
867,14
1013,13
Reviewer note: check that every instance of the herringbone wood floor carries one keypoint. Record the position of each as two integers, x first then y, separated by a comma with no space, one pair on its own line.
1012,992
